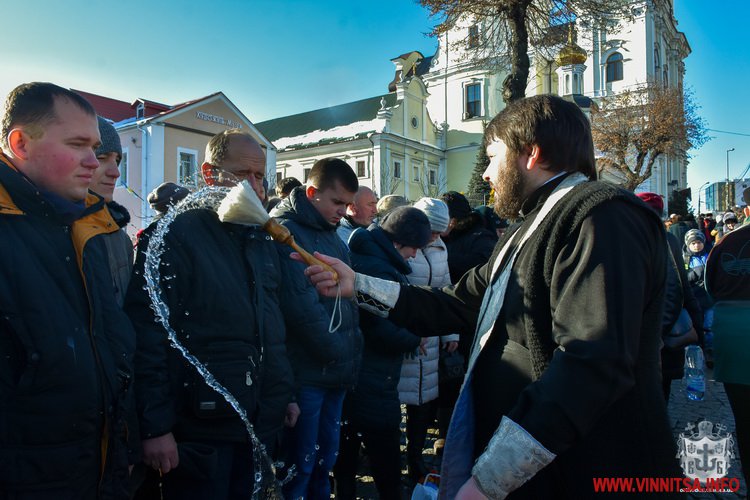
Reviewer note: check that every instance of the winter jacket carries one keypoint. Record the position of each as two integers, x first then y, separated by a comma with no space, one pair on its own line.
221,283
66,347
345,228
374,401
419,374
469,248
696,268
119,251
319,357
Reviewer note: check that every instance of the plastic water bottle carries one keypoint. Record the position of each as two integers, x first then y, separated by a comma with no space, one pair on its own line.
695,379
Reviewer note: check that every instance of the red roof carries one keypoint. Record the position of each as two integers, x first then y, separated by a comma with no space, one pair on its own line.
107,107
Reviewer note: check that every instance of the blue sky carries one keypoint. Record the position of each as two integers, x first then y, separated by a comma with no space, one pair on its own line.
274,58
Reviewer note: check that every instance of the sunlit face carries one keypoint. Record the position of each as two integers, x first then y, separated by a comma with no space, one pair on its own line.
696,246
244,161
729,225
62,160
509,184
406,252
364,209
105,177
330,203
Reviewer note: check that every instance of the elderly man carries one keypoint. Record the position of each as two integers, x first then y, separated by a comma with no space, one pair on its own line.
359,213
566,320
66,346
221,284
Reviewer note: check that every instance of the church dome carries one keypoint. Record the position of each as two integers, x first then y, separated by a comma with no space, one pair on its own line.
571,53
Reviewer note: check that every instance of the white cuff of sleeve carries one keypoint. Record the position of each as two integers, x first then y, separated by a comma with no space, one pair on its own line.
512,457
376,295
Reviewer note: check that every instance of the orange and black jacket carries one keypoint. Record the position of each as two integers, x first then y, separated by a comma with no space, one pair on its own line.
66,348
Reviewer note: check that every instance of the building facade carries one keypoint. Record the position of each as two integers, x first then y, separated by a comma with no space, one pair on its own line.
460,96
162,143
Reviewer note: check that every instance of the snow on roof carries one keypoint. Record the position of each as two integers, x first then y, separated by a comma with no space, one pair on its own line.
341,133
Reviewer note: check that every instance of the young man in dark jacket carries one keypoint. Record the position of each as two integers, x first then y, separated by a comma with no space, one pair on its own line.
324,341
221,283
66,346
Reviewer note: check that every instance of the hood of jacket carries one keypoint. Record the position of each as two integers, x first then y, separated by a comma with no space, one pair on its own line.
373,242
297,207
119,213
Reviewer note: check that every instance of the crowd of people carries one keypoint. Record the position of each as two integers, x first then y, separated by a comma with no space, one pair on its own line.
527,332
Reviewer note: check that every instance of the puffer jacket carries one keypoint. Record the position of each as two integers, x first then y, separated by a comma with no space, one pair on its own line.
374,401
67,351
469,248
221,283
419,374
119,251
319,357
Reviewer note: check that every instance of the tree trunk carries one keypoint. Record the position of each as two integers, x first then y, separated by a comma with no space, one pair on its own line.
514,85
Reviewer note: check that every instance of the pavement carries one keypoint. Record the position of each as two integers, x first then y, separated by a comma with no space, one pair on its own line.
714,408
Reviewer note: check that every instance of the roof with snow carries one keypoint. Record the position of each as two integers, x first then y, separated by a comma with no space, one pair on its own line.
349,121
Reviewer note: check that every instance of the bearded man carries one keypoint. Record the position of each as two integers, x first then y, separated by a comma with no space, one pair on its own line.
563,384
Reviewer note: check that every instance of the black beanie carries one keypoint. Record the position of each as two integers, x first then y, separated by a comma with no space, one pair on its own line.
407,226
458,205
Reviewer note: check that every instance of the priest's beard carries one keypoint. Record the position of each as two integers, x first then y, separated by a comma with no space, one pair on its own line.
509,188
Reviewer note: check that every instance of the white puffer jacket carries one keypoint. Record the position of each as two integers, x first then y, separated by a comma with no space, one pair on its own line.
419,375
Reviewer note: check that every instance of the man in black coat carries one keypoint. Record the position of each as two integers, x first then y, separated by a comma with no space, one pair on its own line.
563,386
221,283
66,346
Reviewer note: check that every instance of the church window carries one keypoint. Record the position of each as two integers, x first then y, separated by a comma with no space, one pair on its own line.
433,177
614,67
397,169
473,40
361,172
665,76
306,174
415,173
473,100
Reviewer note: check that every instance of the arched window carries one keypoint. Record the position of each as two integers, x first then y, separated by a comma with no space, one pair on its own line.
614,67
666,75
657,62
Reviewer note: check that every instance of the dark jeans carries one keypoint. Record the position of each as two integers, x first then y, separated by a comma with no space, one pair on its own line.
231,477
314,442
418,420
384,453
739,400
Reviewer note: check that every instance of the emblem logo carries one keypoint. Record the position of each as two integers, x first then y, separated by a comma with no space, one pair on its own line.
705,454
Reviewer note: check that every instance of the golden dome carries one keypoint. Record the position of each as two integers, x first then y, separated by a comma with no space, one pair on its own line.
571,53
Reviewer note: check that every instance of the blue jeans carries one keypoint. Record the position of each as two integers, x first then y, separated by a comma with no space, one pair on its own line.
314,442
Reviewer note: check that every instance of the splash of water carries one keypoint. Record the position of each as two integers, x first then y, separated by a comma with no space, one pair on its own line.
265,485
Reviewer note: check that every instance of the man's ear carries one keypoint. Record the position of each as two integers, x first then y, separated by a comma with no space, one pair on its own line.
310,192
534,156
209,173
18,142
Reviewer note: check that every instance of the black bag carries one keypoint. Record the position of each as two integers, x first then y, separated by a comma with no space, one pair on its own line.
450,366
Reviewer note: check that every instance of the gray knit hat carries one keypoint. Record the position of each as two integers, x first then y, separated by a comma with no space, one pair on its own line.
730,217
110,138
436,211
166,195
407,226
389,202
694,235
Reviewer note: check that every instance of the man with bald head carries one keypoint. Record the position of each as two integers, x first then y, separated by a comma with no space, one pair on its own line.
359,213
221,287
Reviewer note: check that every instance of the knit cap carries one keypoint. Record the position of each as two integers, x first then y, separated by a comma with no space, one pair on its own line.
110,138
166,195
458,205
389,202
436,211
407,226
694,235
730,217
653,200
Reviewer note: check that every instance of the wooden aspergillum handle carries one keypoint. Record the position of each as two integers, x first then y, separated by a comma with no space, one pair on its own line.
311,260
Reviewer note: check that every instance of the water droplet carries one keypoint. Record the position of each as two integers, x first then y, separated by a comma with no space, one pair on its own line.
317,447
187,313
307,458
